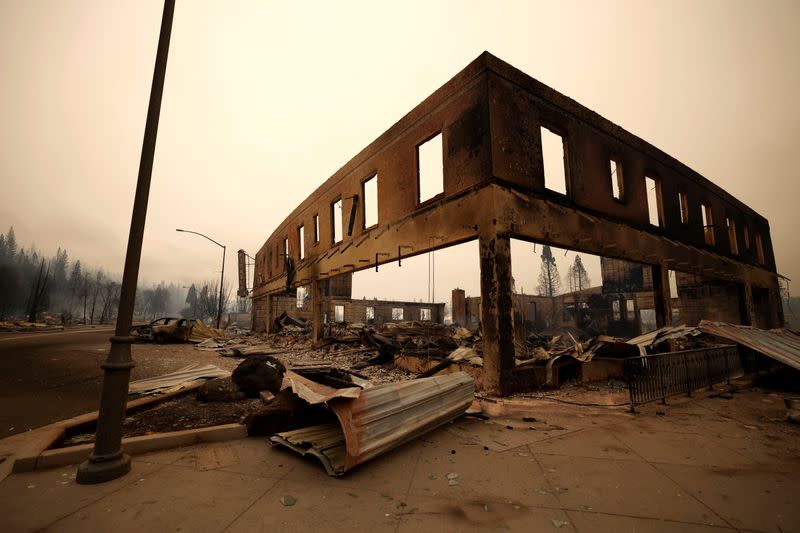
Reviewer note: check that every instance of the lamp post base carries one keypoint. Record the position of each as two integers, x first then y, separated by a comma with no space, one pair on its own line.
94,471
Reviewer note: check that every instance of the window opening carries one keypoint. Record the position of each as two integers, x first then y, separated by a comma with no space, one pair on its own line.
430,169
731,224
302,296
336,220
301,236
708,224
555,174
653,201
617,184
759,248
370,194
684,207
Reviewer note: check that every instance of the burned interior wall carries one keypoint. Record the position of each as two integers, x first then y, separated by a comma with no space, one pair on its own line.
538,314
620,276
490,119
628,291
701,298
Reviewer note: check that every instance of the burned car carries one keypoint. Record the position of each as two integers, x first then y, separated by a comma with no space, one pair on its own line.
165,329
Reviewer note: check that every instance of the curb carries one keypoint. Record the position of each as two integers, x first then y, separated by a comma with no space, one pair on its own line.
29,451
133,446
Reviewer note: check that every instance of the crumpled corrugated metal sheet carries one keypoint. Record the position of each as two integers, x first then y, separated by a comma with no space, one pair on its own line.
779,344
382,418
176,380
314,392
664,334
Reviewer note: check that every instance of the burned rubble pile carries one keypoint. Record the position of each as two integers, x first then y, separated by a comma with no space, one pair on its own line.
24,325
380,354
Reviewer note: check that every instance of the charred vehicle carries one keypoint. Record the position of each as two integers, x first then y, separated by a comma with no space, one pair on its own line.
165,329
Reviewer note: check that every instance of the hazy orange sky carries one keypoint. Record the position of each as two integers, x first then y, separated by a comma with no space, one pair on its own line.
265,100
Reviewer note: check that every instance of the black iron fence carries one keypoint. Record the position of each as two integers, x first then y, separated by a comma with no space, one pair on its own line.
658,376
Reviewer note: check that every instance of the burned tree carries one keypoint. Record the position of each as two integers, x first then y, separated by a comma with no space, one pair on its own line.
38,294
549,280
208,299
577,277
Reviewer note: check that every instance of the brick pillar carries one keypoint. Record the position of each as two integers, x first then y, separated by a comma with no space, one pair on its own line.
661,296
497,318
316,309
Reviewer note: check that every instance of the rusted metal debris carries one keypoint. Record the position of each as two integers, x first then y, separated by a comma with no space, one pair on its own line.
783,345
176,380
375,420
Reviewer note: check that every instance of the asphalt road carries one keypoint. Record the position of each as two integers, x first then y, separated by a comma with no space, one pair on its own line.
45,377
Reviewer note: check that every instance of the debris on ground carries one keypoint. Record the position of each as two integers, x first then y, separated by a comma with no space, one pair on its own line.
286,412
288,501
183,412
220,390
177,380
258,373
24,325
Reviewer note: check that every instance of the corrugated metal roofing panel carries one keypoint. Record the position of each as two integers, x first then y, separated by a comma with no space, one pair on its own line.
176,380
779,344
382,418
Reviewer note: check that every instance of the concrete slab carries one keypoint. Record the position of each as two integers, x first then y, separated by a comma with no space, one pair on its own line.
622,487
747,498
598,443
504,433
171,498
34,500
521,475
588,522
681,448
319,507
477,514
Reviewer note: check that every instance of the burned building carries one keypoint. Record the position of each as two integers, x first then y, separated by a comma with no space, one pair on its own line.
492,128
339,306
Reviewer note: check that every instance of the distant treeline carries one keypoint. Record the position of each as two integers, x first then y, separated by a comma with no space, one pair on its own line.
36,287
33,285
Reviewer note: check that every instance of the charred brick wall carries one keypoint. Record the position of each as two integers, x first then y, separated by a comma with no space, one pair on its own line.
701,298
355,311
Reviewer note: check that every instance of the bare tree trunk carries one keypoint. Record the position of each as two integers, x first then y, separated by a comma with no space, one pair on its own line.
38,290
94,301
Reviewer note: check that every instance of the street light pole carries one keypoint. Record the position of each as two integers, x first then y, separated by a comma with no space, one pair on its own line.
107,460
222,275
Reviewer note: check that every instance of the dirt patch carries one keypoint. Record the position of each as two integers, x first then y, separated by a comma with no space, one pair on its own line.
184,412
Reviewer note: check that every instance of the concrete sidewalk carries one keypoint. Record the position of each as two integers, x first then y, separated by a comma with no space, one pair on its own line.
706,464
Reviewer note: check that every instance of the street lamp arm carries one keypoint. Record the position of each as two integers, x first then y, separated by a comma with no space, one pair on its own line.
222,273
204,236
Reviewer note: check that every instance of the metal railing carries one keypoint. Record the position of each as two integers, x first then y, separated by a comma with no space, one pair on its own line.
658,376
